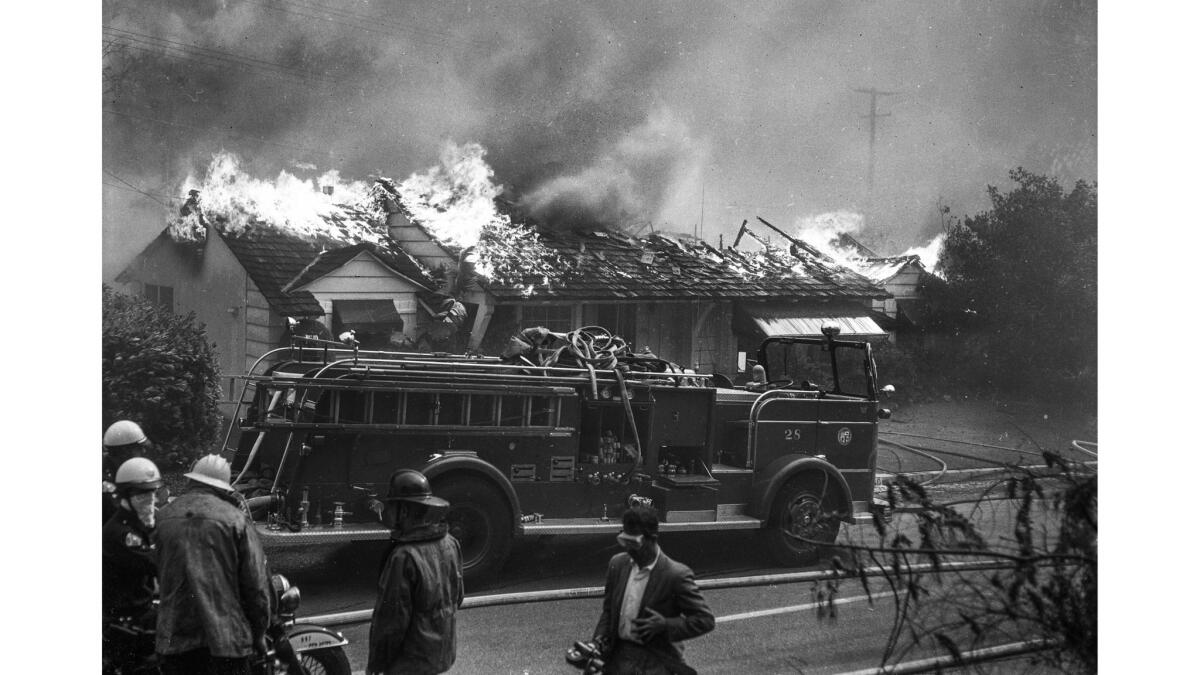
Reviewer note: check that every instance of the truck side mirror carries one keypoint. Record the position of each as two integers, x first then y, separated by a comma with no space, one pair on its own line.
885,414
887,389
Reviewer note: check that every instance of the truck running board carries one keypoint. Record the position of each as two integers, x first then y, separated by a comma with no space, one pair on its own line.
316,536
597,526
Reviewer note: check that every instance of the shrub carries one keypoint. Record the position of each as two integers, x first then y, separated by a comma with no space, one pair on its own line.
159,370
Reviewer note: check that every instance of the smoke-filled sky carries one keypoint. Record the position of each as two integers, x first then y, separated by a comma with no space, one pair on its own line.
689,116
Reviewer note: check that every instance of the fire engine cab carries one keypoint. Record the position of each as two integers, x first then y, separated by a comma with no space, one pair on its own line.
533,447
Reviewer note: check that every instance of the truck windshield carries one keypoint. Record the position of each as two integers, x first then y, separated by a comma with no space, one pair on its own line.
813,364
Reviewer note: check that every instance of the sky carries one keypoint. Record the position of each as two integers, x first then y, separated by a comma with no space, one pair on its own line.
678,116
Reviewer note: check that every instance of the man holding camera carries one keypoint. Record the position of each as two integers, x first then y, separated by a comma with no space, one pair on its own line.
651,602
420,583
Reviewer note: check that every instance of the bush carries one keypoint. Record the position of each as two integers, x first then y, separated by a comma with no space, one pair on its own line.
158,370
1043,586
1021,281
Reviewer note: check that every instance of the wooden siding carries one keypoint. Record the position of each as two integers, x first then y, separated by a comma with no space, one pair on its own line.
417,243
715,345
666,328
904,285
213,286
258,326
364,278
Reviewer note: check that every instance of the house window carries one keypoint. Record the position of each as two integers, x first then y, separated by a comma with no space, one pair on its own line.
558,318
162,296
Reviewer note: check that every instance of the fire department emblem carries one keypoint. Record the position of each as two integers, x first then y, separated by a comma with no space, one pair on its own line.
844,436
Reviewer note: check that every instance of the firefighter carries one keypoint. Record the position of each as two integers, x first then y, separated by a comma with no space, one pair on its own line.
758,379
215,600
420,583
123,440
127,556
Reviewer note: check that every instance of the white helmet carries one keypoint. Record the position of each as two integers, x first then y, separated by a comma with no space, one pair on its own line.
211,470
138,475
123,432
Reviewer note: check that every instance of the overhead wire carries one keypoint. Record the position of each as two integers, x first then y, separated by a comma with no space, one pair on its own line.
209,56
215,129
371,23
135,188
210,51
148,195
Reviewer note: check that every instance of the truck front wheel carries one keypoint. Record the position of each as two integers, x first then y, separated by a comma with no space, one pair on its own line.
800,516
479,519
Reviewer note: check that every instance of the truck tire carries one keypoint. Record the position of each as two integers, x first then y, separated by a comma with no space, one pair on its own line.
480,520
800,510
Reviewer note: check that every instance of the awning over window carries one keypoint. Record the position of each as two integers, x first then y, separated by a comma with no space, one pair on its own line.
367,315
783,320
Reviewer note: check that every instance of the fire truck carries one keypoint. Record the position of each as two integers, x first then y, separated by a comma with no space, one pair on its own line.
523,447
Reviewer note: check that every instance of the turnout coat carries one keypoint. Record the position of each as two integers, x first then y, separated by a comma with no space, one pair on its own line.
212,575
420,589
670,591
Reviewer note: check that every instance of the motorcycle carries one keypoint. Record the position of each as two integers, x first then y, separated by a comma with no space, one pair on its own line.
291,648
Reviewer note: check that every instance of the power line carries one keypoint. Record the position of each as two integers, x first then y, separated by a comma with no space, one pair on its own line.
134,188
149,195
207,55
205,60
214,52
221,130
370,25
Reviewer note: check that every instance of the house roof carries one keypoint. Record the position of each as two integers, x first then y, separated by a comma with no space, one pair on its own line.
777,319
391,256
600,265
883,269
272,258
280,262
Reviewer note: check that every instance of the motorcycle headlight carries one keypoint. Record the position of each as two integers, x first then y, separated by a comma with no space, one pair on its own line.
289,602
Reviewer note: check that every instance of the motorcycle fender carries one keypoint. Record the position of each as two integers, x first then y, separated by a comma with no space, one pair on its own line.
307,637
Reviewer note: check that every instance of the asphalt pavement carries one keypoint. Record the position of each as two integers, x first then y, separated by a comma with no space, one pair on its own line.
760,630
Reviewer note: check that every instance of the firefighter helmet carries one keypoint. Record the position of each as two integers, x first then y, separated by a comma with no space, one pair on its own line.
122,433
211,470
412,486
138,474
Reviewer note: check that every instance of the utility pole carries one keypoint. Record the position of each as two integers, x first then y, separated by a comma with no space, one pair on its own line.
875,94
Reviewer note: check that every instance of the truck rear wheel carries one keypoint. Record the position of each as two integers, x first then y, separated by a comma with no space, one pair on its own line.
800,510
480,520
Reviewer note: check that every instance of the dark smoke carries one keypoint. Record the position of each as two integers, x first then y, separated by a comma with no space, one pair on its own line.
606,113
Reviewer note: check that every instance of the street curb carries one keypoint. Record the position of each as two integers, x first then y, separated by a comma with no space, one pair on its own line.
964,475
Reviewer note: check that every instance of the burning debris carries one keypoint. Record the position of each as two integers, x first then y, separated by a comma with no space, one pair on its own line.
833,235
453,202
234,202
455,205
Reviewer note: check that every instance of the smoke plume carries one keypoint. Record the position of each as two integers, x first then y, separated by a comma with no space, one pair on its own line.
685,116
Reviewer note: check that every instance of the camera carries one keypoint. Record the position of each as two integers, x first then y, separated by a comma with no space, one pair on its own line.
587,656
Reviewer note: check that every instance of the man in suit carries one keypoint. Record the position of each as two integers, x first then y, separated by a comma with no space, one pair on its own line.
651,602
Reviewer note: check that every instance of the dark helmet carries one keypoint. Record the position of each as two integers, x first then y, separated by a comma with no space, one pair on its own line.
410,485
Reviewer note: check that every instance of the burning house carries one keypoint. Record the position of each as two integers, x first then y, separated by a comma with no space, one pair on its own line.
430,264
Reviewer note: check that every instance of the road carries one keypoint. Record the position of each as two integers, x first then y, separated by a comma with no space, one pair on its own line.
768,629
